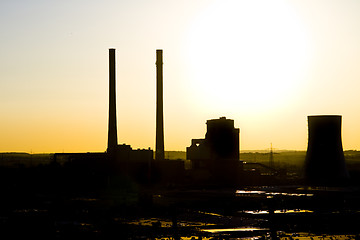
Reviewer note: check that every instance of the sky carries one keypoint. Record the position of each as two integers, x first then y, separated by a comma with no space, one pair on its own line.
266,64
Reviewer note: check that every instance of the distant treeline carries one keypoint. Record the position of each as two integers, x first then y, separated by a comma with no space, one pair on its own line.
283,158
291,157
25,159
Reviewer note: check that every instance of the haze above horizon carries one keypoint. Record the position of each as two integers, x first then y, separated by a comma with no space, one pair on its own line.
265,64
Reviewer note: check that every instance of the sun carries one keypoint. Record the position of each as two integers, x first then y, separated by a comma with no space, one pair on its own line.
247,54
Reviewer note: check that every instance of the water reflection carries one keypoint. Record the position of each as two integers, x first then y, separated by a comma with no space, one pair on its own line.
292,211
249,229
282,211
186,238
244,193
312,236
281,236
212,214
163,223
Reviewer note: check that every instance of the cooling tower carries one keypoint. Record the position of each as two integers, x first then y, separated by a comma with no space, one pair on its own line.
325,162
159,152
112,129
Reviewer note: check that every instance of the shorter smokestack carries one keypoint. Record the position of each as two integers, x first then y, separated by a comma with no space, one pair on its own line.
325,162
112,129
159,152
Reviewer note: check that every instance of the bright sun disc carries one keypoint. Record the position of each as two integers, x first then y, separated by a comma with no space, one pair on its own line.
247,54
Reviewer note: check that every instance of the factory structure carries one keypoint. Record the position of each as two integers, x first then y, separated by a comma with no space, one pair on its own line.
215,159
120,159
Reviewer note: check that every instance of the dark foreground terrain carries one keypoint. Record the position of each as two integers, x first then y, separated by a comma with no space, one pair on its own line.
50,201
127,211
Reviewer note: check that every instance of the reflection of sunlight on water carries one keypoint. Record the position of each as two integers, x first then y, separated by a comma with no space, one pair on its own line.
304,236
284,236
186,238
293,211
268,193
247,230
256,212
157,222
234,230
212,214
282,211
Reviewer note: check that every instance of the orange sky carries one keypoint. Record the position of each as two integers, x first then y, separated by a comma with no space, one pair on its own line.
265,64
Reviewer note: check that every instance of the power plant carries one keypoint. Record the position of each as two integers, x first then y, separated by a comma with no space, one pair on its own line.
325,162
214,159
213,194
139,164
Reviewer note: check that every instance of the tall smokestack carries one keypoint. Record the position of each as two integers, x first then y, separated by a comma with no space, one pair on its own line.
159,152
112,129
325,162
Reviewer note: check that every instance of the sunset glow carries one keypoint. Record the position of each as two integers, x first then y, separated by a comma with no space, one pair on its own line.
265,64
248,54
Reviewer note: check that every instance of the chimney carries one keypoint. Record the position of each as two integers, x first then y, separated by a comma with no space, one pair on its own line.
325,162
159,152
112,129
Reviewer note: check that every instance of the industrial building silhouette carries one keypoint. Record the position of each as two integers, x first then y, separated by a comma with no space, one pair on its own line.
325,162
101,195
214,159
217,155
120,159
